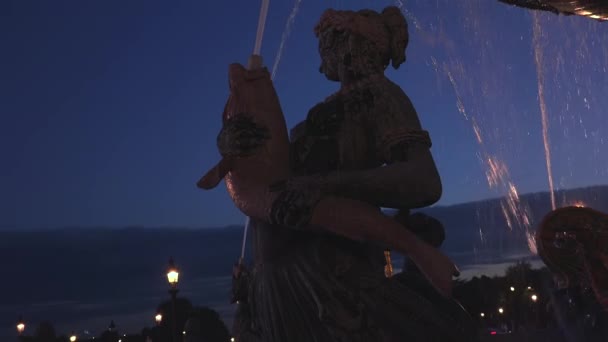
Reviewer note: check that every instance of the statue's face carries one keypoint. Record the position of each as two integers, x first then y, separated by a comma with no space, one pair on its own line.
332,49
347,56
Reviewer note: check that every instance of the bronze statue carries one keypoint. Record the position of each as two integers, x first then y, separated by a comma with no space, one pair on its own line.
355,49
573,243
314,203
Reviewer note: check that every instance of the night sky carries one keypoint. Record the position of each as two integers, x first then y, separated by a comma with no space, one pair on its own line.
109,109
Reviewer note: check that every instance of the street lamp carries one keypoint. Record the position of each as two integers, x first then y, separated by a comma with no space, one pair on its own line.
172,274
512,289
501,311
158,318
20,326
173,278
534,298
482,314
73,338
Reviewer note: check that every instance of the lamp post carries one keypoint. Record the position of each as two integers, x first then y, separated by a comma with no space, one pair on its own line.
158,318
173,278
20,326
73,338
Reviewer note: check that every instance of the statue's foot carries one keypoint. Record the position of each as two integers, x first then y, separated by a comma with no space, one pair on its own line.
436,267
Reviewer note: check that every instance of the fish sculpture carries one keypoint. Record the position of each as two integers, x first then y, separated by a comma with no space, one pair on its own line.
254,145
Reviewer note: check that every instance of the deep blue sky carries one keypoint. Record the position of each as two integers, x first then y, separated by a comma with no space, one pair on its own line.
109,109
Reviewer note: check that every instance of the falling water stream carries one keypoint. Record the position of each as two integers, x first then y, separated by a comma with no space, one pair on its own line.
538,59
285,36
466,49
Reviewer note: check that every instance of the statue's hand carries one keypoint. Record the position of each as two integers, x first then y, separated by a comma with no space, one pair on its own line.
295,201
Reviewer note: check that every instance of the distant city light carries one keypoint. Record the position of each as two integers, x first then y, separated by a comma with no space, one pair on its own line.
534,298
482,314
512,289
501,310
579,204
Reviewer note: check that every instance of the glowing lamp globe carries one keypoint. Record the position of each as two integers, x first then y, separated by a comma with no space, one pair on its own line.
158,318
73,338
20,327
172,274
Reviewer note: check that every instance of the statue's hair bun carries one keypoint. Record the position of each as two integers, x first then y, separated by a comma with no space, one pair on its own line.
399,37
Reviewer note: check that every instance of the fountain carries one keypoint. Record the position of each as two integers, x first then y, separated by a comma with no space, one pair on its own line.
324,216
594,9
492,113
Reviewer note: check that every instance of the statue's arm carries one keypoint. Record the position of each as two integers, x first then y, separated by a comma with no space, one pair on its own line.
398,184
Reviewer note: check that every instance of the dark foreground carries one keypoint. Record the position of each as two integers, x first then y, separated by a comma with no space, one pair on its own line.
540,335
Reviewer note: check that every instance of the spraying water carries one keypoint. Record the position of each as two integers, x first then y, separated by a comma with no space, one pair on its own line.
538,59
482,53
244,243
464,65
261,25
286,32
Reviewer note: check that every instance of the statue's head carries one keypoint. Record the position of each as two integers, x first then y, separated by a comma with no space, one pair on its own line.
359,44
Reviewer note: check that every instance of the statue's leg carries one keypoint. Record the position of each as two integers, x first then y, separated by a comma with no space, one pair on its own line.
361,221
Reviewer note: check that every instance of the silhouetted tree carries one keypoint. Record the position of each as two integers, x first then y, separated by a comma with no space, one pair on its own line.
519,275
45,332
111,334
183,307
205,325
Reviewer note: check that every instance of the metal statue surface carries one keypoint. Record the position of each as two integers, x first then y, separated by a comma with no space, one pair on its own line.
573,243
314,201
